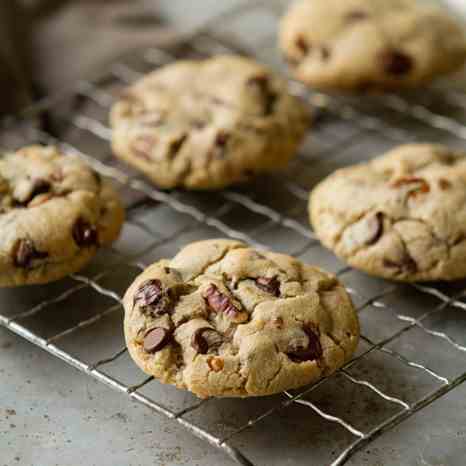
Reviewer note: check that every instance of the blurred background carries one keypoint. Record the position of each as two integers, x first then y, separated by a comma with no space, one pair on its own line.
47,45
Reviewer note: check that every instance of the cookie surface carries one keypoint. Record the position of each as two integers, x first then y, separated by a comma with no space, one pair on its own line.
401,216
370,44
55,212
207,124
222,319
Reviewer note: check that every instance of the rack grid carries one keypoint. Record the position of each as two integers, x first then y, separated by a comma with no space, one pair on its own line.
397,320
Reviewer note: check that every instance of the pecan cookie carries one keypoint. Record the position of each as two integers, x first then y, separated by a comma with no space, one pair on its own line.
55,211
401,216
370,44
207,124
222,319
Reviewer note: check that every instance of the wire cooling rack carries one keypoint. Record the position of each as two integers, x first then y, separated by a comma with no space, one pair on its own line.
414,336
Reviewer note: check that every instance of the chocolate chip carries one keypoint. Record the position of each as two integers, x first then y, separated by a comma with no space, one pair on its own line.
220,302
302,45
222,138
444,184
269,285
324,52
311,352
356,15
85,234
406,264
204,339
396,63
375,227
262,84
24,252
153,299
156,339
220,144
176,146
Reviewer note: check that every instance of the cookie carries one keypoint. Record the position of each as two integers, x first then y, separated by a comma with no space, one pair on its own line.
222,319
207,124
401,216
55,212
370,44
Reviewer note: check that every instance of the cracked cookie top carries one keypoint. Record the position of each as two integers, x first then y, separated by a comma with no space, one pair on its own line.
207,124
55,211
401,216
370,44
223,319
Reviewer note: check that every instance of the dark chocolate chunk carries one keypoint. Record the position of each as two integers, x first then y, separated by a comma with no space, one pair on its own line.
311,352
85,234
156,339
153,299
220,302
24,252
269,285
375,228
407,264
204,339
262,84
396,63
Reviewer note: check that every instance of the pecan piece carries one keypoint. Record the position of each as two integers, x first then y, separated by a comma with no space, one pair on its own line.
205,339
311,352
24,252
269,285
419,185
156,339
220,302
153,299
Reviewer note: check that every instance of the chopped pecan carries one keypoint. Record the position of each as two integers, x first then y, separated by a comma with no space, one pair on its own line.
417,185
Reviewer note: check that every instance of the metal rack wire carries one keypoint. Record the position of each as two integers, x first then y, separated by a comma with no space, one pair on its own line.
344,132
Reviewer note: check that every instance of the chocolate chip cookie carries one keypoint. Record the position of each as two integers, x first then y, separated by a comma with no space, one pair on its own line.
401,216
370,44
208,124
223,319
55,212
